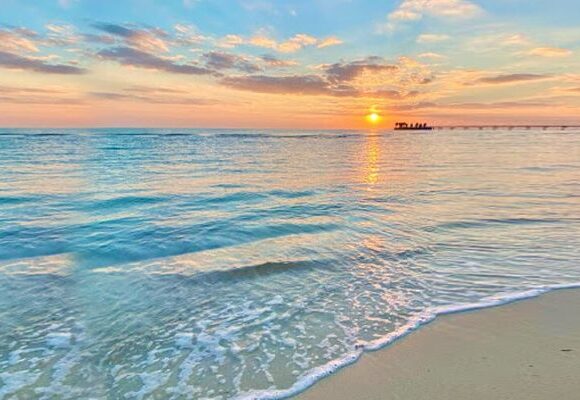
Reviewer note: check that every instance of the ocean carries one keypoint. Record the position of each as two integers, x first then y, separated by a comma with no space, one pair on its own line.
248,264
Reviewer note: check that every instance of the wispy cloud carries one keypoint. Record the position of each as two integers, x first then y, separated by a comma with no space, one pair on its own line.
290,45
188,35
153,95
146,39
511,78
414,10
329,41
550,52
344,72
431,55
34,95
432,38
14,61
218,60
137,58
294,84
276,62
19,40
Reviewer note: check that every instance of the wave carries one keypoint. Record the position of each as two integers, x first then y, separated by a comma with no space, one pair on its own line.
54,265
485,222
122,202
6,200
258,270
311,377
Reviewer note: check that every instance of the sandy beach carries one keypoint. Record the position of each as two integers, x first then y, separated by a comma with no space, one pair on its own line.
525,350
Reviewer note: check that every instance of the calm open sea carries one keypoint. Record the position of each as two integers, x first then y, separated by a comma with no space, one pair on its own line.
190,264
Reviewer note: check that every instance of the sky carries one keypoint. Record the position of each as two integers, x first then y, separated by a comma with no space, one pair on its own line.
297,64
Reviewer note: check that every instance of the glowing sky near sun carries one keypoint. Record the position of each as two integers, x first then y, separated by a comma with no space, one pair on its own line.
287,64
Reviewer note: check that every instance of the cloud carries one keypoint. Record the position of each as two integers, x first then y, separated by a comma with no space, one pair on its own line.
515,39
290,45
219,60
391,94
413,106
550,52
498,105
61,35
414,10
18,40
262,41
495,40
28,95
405,15
276,62
501,105
44,100
344,72
511,78
154,90
296,43
372,77
434,56
28,90
294,84
101,39
188,35
146,39
230,41
431,38
329,41
137,58
153,96
14,61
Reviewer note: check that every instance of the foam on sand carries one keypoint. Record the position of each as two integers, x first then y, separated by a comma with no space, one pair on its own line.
313,376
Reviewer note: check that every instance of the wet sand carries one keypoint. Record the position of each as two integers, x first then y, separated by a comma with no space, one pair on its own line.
529,350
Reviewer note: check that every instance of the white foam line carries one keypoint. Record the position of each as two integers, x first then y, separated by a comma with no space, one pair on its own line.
316,374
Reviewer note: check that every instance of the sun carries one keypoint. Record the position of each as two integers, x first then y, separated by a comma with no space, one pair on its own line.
373,118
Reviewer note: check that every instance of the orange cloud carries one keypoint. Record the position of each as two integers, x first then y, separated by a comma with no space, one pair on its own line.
550,52
329,41
290,45
414,10
150,39
18,40
511,78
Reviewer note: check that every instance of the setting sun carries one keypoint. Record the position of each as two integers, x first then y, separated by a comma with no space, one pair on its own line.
373,118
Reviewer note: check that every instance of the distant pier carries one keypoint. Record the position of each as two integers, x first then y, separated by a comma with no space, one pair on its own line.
508,127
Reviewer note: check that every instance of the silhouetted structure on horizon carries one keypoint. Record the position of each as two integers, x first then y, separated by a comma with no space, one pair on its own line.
508,127
403,126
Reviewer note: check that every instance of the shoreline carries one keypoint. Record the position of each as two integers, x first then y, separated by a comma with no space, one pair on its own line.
513,349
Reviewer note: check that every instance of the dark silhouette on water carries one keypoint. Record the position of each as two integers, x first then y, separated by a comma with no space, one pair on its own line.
508,127
403,126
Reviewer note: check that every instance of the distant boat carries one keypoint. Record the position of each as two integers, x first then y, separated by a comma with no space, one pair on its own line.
403,126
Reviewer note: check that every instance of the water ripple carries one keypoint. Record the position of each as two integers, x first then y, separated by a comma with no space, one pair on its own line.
139,263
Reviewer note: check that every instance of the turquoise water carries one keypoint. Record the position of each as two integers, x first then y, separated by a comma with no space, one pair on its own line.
248,264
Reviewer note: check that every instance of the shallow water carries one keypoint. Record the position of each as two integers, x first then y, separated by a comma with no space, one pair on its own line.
220,264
